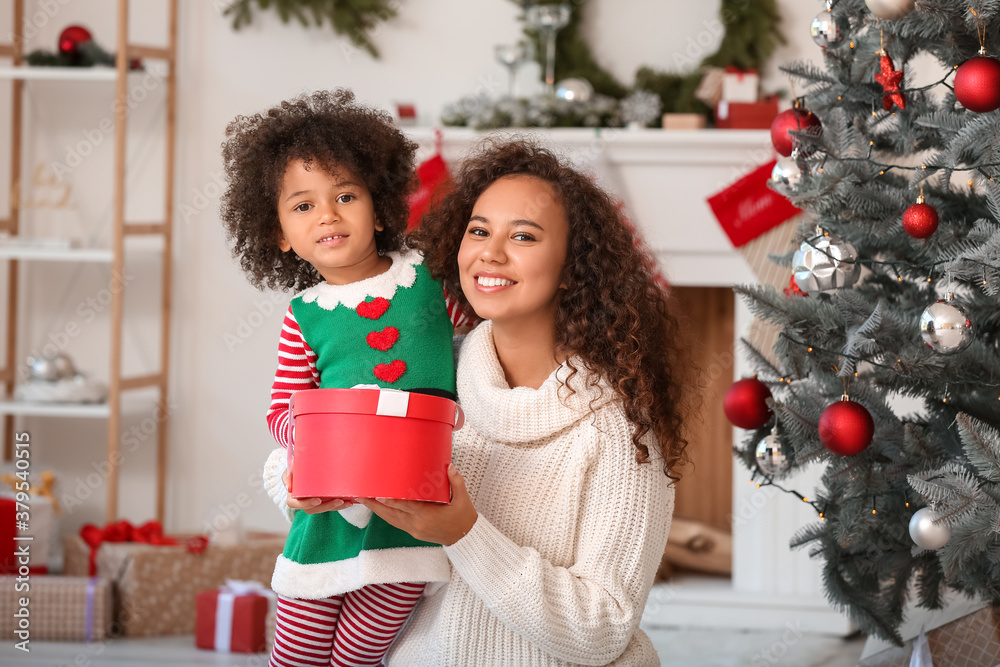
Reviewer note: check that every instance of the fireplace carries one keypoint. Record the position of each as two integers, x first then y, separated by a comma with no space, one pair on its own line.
664,178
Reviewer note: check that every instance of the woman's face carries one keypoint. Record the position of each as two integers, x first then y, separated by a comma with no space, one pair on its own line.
513,252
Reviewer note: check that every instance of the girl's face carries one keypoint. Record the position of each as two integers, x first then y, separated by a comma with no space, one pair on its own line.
512,255
329,221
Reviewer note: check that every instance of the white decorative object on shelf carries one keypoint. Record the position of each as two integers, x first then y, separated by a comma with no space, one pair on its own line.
78,389
740,86
47,243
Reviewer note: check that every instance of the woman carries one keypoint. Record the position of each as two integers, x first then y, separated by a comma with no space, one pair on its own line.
562,476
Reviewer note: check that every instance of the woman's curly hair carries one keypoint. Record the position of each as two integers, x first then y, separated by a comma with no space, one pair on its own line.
328,130
613,313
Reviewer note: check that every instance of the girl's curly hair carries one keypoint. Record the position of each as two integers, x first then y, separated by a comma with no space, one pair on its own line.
329,130
613,314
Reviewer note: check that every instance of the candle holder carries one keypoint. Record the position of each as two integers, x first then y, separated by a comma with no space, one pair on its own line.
549,20
512,56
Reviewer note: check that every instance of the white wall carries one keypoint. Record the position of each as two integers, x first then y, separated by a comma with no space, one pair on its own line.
434,52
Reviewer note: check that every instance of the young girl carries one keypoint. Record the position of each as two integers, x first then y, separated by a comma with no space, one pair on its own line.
317,202
572,391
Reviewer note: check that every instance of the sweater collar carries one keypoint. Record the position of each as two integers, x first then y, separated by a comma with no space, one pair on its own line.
521,415
401,274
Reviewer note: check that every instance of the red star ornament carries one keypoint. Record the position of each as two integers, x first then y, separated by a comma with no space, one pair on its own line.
890,80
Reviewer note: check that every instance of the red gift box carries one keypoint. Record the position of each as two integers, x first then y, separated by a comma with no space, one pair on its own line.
12,556
231,619
746,116
371,443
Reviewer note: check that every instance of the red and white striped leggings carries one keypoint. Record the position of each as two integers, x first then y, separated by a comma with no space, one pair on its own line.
351,629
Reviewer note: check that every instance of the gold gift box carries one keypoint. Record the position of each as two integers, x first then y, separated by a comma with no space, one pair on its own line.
155,586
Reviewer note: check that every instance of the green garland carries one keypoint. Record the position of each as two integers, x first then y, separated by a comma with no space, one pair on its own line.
354,18
751,36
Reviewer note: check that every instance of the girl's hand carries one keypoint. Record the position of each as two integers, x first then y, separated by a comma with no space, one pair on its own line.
313,505
430,522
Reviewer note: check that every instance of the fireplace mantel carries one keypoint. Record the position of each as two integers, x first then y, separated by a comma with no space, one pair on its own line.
664,178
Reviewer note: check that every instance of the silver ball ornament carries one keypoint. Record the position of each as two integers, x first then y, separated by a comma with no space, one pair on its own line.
829,29
926,532
825,264
890,9
50,368
771,458
574,89
946,327
786,177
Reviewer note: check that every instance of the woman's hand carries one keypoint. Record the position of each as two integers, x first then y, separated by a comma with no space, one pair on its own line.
313,505
430,522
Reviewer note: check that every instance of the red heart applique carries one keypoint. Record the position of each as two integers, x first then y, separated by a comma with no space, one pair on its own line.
384,339
373,309
390,372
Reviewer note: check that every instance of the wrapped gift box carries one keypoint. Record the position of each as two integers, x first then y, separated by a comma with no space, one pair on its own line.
740,116
970,641
740,86
156,586
399,444
232,619
59,608
41,526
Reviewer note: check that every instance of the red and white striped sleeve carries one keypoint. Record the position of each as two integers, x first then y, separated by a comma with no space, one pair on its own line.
296,370
459,318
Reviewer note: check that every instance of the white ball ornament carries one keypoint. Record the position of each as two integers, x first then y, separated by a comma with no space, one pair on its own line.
890,9
926,532
786,177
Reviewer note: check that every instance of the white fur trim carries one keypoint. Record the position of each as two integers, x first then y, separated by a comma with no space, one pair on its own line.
378,566
357,515
273,469
401,274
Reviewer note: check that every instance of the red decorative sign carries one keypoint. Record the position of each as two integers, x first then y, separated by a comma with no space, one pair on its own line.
748,208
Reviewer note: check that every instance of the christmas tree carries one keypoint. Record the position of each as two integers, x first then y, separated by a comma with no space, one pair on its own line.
887,368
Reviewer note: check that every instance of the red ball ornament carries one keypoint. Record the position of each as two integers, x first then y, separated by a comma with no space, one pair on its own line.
792,120
793,288
71,37
745,403
920,220
846,428
977,84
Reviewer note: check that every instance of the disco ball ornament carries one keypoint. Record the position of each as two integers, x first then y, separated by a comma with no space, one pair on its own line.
829,29
926,531
977,84
946,327
786,177
574,89
890,9
846,428
771,458
825,264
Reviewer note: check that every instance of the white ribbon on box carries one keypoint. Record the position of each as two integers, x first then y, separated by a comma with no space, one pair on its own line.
224,608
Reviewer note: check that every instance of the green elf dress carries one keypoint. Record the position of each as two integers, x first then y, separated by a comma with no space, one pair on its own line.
392,330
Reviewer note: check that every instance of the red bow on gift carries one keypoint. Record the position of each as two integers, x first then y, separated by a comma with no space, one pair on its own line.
150,532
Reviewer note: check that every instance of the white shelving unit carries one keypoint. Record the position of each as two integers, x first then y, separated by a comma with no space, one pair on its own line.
14,253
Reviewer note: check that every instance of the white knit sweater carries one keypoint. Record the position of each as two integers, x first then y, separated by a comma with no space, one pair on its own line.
571,529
